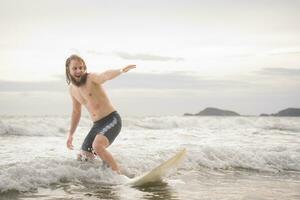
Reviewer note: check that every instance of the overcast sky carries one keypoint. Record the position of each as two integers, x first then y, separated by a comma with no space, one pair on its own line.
238,55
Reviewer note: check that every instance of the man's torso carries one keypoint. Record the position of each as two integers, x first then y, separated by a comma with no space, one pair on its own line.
94,98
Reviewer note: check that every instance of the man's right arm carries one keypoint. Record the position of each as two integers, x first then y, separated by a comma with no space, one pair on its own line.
76,113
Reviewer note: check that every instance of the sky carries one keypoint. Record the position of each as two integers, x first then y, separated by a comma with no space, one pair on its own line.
241,55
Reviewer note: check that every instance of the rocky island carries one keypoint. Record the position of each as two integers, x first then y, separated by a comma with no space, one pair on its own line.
213,112
289,112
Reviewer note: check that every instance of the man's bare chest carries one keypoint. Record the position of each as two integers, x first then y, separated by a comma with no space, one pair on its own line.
87,93
82,94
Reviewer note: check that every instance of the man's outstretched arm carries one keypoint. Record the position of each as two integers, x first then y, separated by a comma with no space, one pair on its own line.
110,74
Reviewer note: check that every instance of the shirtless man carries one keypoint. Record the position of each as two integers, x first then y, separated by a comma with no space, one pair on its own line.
86,89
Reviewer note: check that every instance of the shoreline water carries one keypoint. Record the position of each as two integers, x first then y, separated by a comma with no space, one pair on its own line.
235,158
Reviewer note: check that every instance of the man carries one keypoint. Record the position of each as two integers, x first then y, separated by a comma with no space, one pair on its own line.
86,89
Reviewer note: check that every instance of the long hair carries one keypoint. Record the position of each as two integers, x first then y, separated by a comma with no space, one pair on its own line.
68,61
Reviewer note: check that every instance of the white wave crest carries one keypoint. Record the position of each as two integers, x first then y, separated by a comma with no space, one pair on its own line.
43,172
272,160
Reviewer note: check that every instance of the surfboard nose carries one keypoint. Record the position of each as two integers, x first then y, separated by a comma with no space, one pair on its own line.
158,172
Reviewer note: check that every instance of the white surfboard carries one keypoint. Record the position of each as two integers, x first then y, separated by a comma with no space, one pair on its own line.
158,172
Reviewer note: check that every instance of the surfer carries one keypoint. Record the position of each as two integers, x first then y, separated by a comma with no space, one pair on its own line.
86,89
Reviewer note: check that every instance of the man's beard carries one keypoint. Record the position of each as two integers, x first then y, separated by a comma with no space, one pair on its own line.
81,81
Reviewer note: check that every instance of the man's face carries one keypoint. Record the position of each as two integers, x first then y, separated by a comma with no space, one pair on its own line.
77,72
76,69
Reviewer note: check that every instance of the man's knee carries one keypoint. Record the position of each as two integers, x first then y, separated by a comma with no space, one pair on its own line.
98,147
100,142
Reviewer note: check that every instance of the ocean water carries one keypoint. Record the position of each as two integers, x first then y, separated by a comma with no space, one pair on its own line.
249,158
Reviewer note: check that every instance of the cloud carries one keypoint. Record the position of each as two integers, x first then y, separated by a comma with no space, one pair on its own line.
144,81
173,81
280,71
138,93
96,52
24,86
75,51
146,57
284,51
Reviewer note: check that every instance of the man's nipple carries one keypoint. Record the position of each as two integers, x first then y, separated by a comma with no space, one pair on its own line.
90,94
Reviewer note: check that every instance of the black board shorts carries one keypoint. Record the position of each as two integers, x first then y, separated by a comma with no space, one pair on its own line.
109,126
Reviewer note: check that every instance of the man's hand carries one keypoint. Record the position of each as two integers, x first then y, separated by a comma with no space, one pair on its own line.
128,67
69,142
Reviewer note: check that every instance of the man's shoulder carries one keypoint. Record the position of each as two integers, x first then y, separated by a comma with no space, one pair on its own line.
71,88
90,75
93,77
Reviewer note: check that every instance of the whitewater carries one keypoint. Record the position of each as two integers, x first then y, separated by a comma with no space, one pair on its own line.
227,158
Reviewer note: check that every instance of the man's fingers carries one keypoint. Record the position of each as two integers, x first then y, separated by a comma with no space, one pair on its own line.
129,67
69,145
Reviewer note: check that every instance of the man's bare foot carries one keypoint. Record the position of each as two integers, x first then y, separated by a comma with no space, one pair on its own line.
85,158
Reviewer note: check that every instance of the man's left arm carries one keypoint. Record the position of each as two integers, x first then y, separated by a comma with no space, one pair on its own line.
110,74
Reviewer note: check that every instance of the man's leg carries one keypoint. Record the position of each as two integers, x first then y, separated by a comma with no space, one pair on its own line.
99,146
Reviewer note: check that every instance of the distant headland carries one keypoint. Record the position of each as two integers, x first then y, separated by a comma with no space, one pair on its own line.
214,112
289,112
